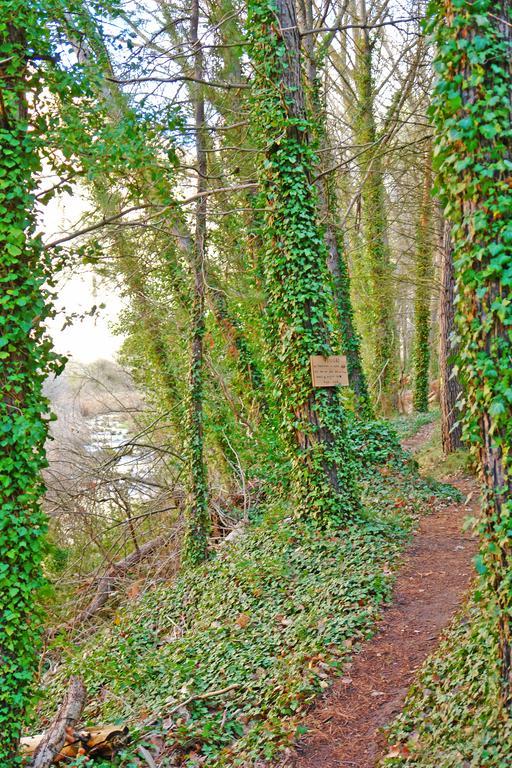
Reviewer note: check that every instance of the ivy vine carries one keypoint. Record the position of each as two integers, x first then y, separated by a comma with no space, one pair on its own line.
422,300
25,358
29,131
299,299
473,157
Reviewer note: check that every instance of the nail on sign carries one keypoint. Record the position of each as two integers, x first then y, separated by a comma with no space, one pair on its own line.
329,371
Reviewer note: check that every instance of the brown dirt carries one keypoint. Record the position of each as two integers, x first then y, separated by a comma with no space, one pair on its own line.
345,726
420,438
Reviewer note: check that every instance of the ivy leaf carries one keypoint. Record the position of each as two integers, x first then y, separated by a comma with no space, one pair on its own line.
497,408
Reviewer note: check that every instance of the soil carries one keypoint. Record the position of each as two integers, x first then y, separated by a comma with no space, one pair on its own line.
345,727
417,440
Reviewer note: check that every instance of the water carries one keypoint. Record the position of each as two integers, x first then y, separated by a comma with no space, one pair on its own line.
131,465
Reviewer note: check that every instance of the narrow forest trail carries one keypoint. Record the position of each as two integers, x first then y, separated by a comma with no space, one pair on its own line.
419,439
345,726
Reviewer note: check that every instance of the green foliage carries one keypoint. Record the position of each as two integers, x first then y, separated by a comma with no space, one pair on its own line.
473,157
373,273
26,358
246,359
422,300
350,339
451,716
33,87
299,299
276,612
407,425
373,442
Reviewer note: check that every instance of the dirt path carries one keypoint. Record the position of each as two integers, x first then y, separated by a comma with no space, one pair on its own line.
344,728
423,434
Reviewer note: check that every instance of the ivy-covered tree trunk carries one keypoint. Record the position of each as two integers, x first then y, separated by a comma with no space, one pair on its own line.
198,519
422,300
294,265
226,102
329,212
449,387
377,304
338,267
473,117
24,355
237,343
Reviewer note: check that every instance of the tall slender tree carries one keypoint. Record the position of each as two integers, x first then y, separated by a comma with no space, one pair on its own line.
472,115
423,268
294,265
198,519
449,386
378,308
329,209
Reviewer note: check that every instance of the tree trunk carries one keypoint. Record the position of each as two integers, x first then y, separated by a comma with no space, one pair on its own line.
423,280
338,268
378,306
295,272
474,160
197,516
449,387
329,211
24,365
238,345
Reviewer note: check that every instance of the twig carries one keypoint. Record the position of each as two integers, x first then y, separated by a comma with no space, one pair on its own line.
201,696
146,756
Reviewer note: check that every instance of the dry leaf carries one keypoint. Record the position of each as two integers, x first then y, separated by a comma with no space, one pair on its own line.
398,750
134,590
243,620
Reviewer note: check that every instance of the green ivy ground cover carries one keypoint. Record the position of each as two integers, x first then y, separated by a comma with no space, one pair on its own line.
451,718
406,425
277,613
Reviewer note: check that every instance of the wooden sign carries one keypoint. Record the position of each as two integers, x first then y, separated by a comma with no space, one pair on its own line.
329,371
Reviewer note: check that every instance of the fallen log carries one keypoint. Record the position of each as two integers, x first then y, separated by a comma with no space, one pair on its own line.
106,584
53,741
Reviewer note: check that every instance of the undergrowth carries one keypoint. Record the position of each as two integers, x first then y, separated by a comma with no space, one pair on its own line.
451,717
433,462
272,618
406,425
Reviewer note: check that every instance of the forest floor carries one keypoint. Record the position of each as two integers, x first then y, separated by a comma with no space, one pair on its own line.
346,728
223,664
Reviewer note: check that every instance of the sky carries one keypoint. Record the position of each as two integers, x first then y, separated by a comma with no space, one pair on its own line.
90,338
